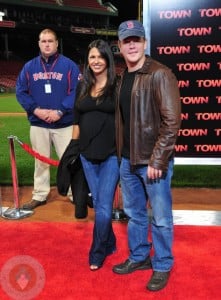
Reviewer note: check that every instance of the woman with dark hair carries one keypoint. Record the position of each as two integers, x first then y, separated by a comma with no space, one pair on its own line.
94,136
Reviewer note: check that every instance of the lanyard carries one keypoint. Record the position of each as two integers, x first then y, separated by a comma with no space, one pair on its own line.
52,67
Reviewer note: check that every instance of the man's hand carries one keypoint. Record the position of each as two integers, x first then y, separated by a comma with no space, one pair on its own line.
47,115
154,174
53,116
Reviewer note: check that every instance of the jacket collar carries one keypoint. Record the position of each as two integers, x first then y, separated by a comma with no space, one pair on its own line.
144,69
51,58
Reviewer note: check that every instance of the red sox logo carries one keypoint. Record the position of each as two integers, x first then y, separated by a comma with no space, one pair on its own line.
130,25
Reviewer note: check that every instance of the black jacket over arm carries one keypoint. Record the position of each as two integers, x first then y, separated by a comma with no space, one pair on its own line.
70,173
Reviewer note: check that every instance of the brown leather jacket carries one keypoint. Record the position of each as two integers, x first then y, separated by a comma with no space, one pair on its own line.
155,116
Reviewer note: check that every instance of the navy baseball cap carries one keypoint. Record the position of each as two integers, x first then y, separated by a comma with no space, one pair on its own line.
130,28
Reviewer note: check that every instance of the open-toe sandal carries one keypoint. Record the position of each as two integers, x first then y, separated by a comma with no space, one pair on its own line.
94,267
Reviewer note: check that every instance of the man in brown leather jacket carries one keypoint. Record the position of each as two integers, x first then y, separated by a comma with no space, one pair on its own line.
148,118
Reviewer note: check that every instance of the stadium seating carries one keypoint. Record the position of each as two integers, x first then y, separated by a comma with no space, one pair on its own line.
88,4
8,73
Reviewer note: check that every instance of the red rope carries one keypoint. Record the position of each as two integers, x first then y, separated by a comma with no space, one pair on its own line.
28,149
47,160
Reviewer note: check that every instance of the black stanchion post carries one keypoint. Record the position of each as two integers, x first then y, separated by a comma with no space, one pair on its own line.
118,213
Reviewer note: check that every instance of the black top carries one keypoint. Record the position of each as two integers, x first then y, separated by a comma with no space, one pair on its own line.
125,100
97,127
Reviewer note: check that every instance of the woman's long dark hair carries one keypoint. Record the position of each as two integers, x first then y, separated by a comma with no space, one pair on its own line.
88,76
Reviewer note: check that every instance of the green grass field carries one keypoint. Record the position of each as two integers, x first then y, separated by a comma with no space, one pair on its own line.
8,103
184,176
16,126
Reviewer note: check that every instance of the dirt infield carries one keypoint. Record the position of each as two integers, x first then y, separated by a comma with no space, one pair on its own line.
60,209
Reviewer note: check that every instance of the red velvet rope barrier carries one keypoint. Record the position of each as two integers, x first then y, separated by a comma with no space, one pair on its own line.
47,160
40,157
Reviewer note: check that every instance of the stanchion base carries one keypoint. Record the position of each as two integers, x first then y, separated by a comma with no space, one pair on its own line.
16,213
119,215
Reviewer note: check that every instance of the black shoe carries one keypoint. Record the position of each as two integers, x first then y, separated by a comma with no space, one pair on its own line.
33,204
129,266
119,214
158,281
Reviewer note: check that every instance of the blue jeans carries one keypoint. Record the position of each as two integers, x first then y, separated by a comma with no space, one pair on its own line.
136,191
102,178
